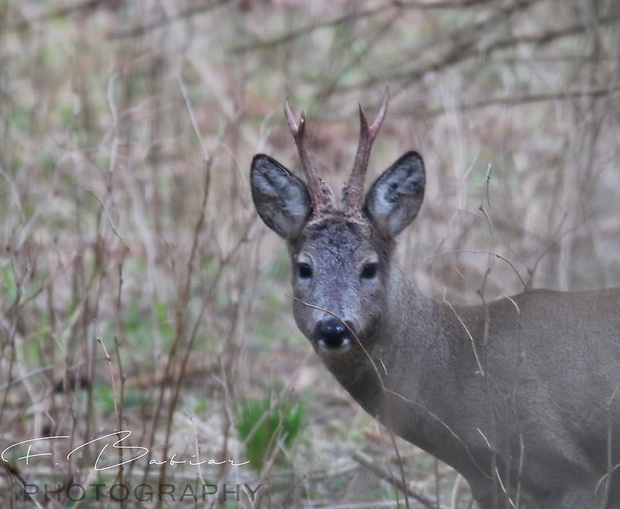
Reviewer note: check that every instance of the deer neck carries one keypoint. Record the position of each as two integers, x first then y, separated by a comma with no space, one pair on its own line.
407,371
408,353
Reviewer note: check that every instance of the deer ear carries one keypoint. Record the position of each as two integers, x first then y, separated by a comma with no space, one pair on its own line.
281,199
395,198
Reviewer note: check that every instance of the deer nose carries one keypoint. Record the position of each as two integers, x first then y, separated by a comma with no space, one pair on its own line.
332,333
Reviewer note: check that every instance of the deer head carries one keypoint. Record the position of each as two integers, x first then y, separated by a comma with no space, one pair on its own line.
341,255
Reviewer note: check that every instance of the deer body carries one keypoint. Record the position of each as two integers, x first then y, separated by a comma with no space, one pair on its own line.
547,438
521,396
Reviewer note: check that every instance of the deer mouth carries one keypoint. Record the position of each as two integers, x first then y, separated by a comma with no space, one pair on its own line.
333,335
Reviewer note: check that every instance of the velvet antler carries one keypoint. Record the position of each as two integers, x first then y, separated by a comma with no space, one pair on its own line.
353,191
320,194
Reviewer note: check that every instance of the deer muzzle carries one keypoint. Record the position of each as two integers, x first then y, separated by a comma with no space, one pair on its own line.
333,334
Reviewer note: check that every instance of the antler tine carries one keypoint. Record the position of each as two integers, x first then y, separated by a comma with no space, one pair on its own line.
353,192
312,179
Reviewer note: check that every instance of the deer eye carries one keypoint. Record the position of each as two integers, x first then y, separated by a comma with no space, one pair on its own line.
369,271
304,270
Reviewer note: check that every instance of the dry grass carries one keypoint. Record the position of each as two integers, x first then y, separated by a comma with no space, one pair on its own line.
138,290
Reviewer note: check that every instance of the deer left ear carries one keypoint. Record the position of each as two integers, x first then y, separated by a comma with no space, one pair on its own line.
394,200
281,199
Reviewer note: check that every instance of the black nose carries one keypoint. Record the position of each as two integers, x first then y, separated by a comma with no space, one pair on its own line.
332,333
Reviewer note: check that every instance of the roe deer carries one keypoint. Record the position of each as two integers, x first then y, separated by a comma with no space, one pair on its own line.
521,396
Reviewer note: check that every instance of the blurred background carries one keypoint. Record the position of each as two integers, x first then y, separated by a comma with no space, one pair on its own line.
138,289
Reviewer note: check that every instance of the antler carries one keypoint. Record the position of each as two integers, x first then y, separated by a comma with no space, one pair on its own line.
320,195
353,191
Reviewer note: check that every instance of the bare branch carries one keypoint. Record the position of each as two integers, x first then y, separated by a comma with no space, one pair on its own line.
520,100
384,474
291,36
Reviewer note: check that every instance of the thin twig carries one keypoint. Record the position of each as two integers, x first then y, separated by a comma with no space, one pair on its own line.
385,475
516,100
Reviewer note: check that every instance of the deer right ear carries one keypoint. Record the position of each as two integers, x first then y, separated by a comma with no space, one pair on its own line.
281,199
395,198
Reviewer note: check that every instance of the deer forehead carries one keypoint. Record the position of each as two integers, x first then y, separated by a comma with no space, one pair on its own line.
340,239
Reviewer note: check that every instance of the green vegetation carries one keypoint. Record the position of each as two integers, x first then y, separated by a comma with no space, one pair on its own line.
266,427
